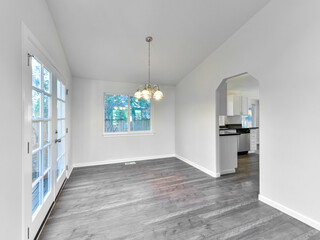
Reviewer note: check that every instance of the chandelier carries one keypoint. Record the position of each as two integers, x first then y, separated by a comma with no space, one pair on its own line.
148,92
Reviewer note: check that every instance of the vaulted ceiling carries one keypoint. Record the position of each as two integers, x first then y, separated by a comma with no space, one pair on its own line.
105,39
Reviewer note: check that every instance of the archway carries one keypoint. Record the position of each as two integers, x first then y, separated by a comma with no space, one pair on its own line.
238,122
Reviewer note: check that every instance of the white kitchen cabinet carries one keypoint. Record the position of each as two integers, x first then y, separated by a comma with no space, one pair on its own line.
228,154
254,140
222,91
237,105
244,106
230,105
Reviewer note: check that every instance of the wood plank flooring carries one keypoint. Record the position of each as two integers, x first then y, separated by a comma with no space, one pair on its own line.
168,199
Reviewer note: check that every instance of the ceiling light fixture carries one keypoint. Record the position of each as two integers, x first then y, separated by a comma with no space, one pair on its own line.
148,92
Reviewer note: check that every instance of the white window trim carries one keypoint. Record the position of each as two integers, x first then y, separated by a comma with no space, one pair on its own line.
129,133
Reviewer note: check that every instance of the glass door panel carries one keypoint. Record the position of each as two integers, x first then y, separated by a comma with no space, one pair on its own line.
47,95
61,129
41,134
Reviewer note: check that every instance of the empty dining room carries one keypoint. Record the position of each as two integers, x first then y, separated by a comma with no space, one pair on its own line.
116,124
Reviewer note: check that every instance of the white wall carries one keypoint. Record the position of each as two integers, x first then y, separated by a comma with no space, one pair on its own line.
280,48
90,146
35,14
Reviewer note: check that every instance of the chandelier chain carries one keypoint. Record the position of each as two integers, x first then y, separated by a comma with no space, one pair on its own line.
149,64
149,92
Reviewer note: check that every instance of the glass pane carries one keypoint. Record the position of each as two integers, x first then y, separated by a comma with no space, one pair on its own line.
61,147
46,80
36,73
61,128
116,113
36,104
140,114
35,135
63,110
46,184
63,92
35,197
60,166
46,158
46,106
35,166
59,134
58,89
59,110
46,132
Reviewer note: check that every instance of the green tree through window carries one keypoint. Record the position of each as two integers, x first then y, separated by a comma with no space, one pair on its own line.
117,114
140,114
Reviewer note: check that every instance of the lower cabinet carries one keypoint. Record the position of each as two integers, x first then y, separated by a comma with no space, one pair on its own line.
228,154
254,139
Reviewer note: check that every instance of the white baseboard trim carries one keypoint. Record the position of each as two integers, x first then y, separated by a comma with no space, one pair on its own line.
123,160
203,169
311,222
228,171
69,173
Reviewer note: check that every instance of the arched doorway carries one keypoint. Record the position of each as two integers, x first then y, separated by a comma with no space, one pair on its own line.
238,122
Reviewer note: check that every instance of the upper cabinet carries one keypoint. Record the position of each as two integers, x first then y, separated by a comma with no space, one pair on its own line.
244,106
237,105
222,94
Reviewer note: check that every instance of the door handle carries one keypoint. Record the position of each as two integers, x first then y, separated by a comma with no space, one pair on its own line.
57,140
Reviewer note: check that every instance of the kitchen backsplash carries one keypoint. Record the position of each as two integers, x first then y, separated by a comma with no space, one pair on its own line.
233,119
223,120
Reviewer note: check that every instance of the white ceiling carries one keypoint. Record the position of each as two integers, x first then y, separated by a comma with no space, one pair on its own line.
244,85
105,39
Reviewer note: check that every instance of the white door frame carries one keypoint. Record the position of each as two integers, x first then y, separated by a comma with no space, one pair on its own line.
30,45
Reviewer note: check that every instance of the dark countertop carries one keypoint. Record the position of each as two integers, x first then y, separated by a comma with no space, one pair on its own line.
226,128
229,134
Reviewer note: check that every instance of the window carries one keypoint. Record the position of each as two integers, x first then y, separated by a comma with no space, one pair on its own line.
124,113
247,121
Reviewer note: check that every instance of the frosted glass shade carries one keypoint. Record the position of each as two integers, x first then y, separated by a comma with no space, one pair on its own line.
138,94
146,94
158,95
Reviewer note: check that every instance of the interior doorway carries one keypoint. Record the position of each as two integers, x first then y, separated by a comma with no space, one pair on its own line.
238,126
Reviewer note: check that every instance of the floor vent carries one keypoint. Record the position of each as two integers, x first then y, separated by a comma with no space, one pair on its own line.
129,163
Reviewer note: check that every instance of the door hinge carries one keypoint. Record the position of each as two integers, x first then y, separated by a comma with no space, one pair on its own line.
67,167
28,147
28,231
67,91
29,56
67,130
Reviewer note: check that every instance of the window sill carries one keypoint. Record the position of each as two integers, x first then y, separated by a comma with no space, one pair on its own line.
128,134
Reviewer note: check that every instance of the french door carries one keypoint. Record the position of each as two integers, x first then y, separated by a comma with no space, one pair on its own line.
48,142
60,135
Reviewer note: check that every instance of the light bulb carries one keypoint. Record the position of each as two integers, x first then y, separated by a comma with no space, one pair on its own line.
138,94
146,94
158,95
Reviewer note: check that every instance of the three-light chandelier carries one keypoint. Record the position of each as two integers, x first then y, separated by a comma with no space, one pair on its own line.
148,92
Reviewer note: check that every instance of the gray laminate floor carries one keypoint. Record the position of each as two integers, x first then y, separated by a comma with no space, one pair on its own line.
168,199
